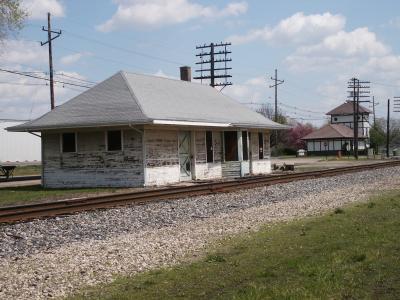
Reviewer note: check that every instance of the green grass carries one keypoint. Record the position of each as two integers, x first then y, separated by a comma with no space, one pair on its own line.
28,170
351,253
31,194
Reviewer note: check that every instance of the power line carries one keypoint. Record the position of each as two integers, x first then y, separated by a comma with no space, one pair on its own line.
307,119
385,84
124,49
76,78
43,78
23,83
301,109
298,115
107,59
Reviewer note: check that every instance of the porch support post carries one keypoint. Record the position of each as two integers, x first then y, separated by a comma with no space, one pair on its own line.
193,153
240,151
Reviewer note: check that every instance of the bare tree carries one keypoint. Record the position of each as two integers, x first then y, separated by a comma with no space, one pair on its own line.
268,111
12,16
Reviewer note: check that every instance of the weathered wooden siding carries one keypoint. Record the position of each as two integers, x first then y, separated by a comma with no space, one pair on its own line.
162,161
203,169
231,169
260,166
200,147
267,145
92,165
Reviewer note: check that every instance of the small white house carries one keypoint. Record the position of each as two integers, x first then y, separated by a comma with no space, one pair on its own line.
18,147
135,130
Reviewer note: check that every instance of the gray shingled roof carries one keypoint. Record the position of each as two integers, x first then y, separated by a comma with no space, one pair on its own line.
127,98
347,109
331,131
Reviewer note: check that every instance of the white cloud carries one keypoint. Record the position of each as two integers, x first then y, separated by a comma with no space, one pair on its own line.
156,13
340,51
388,63
252,90
38,9
160,73
257,81
22,52
73,58
360,41
298,28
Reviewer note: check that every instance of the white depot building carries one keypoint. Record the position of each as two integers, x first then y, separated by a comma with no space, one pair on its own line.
133,130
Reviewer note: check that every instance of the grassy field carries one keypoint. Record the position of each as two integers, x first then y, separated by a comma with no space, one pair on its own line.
351,253
28,170
31,194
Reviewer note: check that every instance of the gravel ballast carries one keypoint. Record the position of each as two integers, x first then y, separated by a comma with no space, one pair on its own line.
54,257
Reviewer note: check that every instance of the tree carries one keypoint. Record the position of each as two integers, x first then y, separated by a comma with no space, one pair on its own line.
377,135
267,111
12,16
295,134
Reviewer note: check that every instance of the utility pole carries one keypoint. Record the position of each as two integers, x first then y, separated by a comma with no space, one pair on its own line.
355,86
373,108
396,104
49,39
388,129
275,85
216,62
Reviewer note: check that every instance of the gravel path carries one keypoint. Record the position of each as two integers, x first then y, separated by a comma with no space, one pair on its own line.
54,257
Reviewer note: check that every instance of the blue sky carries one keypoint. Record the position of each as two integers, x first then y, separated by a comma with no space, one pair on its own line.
316,46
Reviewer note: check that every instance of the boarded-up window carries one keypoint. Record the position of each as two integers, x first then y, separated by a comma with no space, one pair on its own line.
209,146
68,142
231,146
244,145
260,146
114,140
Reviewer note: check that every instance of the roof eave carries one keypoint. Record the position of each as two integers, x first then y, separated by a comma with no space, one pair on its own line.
21,128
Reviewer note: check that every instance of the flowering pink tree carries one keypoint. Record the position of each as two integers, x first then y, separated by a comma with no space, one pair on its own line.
295,134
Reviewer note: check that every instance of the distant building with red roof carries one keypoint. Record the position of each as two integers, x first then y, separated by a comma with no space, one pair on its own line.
339,134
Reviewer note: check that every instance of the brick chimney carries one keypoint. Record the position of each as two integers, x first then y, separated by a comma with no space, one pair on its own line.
186,73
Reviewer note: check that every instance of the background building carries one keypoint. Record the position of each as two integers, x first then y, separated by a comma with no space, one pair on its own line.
339,134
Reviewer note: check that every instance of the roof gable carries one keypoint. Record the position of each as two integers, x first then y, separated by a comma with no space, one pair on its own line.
109,102
170,99
330,131
128,98
347,109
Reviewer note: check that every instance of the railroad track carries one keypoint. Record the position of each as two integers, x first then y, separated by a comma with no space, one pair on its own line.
20,213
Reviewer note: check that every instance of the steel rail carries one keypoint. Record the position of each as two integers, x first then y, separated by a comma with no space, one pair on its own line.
50,209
